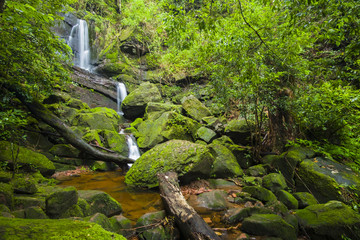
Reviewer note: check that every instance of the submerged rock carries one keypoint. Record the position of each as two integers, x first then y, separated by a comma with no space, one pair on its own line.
189,160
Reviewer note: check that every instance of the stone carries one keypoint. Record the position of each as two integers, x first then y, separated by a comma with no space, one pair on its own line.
27,159
260,193
64,150
236,215
268,225
158,233
189,160
239,131
100,202
102,220
214,200
194,108
333,220
5,177
60,201
35,213
23,202
305,199
220,183
6,195
205,134
122,225
73,211
256,171
225,164
24,185
274,182
159,108
288,199
135,103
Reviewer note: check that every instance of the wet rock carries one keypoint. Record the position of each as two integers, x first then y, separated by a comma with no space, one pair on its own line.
189,160
194,108
213,200
268,225
100,202
333,220
102,220
274,182
305,199
236,215
60,201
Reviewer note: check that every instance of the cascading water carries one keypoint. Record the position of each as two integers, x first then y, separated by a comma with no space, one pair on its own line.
121,94
134,152
79,43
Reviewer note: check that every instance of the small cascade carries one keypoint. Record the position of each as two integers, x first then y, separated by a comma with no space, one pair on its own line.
121,94
79,43
134,152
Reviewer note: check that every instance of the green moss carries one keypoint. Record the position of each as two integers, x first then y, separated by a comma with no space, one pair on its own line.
44,229
194,108
100,202
6,195
60,201
225,164
260,193
274,182
288,199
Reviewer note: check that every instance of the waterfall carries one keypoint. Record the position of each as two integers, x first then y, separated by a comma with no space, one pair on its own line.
121,94
134,152
79,43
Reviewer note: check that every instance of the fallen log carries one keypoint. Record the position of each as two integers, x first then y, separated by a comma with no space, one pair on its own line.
191,225
41,112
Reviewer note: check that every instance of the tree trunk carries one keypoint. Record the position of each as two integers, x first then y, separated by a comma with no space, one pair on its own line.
42,113
192,226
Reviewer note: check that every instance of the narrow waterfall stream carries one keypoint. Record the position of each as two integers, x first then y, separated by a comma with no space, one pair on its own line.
121,94
79,43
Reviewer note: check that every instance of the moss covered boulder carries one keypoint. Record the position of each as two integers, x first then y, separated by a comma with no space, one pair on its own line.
260,193
305,199
274,182
205,134
44,229
213,200
333,220
64,150
122,225
256,170
189,160
225,164
135,103
268,225
287,199
157,107
6,195
324,178
60,201
194,108
100,202
239,131
26,159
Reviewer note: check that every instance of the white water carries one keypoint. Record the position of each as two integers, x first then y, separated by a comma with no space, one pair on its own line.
79,43
134,152
121,94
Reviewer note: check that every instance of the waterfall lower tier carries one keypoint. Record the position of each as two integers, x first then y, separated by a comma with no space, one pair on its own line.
79,43
134,152
121,94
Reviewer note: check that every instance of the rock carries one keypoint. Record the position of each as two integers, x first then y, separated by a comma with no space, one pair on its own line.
84,206
122,225
64,150
6,195
239,131
256,171
111,69
260,193
100,202
18,229
135,103
305,199
189,160
220,183
57,97
236,215
225,164
98,118
24,185
268,225
194,108
60,201
102,220
214,123
205,134
274,182
252,181
35,213
333,220
159,108
5,177
288,199
77,104
27,159
324,178
213,200
73,211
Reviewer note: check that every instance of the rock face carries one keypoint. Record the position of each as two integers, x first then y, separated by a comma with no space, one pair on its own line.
26,159
194,108
135,103
333,220
188,159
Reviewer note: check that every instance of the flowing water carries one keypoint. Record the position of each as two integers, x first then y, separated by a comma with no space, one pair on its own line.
79,43
121,94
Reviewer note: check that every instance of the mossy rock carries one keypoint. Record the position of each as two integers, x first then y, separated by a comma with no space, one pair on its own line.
213,200
268,225
274,182
305,199
77,104
239,131
122,225
205,134
256,171
64,112
24,185
260,193
35,213
333,220
64,150
111,69
100,202
219,183
5,177
23,202
194,108
135,103
157,107
288,199
189,160
225,164
98,118
236,215
6,195
60,201
102,220
57,97
73,211
27,159
44,229
324,178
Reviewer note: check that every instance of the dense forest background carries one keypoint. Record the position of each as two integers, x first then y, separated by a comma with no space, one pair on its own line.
290,68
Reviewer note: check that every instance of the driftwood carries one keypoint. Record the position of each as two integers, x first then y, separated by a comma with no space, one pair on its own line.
42,113
191,225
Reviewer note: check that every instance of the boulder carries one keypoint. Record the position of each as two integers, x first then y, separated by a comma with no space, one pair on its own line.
100,202
305,199
64,150
236,215
35,213
268,225
288,199
159,108
6,195
225,164
27,159
73,211
60,201
324,178
274,182
189,160
260,193
24,185
194,108
213,200
102,220
135,103
205,134
333,220
239,131
256,170
122,225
